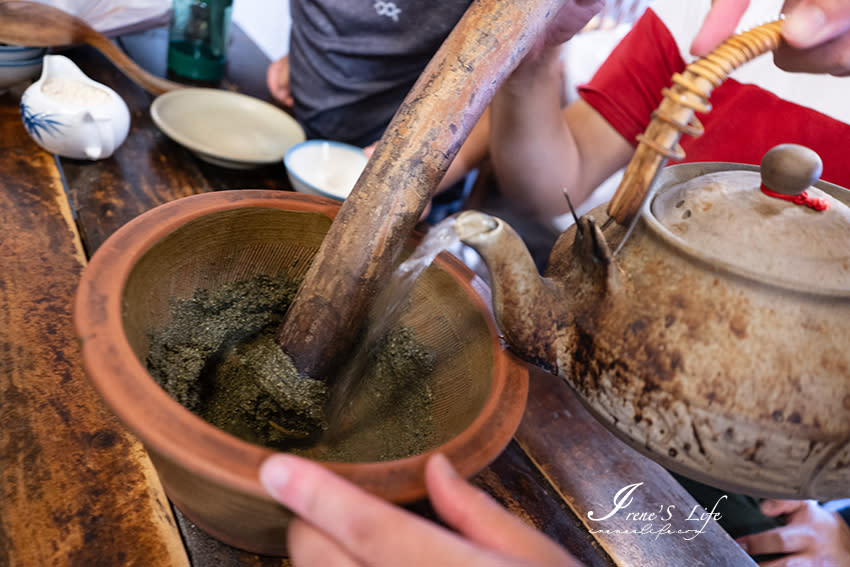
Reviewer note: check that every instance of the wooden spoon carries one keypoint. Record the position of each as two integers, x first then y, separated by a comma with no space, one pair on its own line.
39,25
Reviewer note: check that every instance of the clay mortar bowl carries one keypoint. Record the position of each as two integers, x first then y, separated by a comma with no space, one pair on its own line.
212,239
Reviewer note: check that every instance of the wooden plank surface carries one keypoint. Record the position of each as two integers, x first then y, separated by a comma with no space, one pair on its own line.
75,487
147,170
517,483
588,466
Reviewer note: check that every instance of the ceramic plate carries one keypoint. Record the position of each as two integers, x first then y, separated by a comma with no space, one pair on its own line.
226,128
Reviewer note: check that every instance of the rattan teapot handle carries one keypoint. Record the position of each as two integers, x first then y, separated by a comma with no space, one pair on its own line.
675,115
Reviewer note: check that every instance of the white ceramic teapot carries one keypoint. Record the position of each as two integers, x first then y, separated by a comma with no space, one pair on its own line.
71,115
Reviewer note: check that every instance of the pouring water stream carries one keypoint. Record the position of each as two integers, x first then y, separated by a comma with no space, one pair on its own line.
383,317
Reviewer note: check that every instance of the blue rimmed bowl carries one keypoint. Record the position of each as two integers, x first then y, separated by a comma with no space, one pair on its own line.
324,168
20,52
17,71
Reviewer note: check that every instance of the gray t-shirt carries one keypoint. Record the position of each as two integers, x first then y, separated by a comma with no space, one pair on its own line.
352,62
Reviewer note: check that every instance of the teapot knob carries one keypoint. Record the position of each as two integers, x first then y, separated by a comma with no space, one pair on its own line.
790,169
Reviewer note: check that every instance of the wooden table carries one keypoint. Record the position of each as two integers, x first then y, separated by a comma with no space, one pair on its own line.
78,489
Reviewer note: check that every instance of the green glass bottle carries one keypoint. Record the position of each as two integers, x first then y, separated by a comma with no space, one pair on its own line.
197,39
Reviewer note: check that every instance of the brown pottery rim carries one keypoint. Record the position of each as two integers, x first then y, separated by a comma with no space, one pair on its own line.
164,426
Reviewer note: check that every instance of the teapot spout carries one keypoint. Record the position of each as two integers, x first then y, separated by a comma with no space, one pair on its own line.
526,305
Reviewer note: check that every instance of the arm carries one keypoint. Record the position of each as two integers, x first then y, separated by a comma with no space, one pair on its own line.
566,23
538,149
339,524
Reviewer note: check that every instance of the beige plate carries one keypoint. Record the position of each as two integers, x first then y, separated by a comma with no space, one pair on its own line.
226,128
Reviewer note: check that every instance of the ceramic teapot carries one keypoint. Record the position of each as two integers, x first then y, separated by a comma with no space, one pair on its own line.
708,327
69,114
718,347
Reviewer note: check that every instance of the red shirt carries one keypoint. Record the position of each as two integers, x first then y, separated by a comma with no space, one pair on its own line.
745,120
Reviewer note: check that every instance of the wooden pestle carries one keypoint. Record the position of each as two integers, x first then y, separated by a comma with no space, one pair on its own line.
378,217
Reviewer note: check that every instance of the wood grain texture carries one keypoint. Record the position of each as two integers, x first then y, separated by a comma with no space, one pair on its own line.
76,488
518,485
588,465
148,170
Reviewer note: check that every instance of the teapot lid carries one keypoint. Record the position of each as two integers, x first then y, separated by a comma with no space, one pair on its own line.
772,224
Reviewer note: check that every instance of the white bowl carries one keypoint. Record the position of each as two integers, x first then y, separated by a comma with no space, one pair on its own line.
323,167
14,72
20,52
226,128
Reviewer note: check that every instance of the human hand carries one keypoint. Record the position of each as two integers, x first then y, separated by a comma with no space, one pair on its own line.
277,80
816,34
543,58
339,524
569,20
719,24
812,537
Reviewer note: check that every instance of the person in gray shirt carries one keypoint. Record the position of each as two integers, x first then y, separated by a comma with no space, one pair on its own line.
351,64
